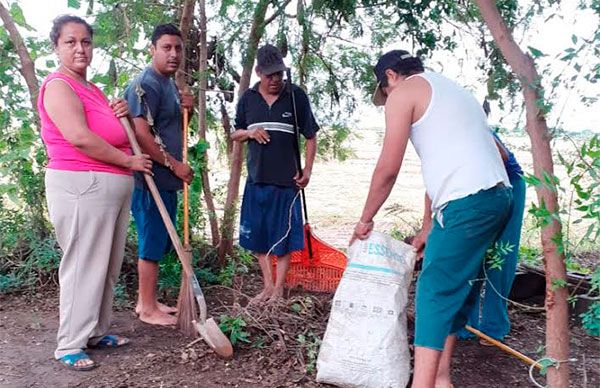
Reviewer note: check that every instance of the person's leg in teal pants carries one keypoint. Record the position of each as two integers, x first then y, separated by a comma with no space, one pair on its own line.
494,319
494,314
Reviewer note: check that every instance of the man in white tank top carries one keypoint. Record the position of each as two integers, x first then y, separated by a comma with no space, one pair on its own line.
467,198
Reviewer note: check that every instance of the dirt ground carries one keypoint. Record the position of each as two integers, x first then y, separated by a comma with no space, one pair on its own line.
161,357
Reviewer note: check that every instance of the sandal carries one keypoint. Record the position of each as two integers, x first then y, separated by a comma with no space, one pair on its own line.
110,341
484,342
71,360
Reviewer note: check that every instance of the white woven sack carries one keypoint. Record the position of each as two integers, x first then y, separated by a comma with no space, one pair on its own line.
365,344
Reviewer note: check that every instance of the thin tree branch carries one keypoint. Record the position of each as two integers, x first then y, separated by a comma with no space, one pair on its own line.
276,13
27,68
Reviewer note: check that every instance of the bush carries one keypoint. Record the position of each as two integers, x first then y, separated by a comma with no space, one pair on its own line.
591,318
234,327
28,258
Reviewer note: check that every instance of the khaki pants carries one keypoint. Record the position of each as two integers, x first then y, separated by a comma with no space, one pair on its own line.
90,214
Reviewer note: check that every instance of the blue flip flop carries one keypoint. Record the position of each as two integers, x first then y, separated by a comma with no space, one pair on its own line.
70,361
110,341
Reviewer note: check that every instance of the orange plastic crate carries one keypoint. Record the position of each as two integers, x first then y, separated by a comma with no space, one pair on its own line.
321,273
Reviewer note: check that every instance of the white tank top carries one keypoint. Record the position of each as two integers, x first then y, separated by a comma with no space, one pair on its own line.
457,151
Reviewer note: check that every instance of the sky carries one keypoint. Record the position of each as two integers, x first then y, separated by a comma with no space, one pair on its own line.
552,36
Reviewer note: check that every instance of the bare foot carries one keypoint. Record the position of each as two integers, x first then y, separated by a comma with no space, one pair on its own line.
265,294
161,307
157,317
166,309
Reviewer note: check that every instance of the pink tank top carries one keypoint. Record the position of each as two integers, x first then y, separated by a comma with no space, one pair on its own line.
100,119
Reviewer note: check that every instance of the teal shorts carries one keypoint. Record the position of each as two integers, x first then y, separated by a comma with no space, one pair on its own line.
453,257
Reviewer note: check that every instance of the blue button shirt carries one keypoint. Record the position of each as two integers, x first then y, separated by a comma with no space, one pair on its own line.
513,169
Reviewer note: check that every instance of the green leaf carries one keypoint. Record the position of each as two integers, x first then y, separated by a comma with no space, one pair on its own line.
574,39
296,307
545,364
18,17
532,180
225,4
74,4
558,283
568,57
535,52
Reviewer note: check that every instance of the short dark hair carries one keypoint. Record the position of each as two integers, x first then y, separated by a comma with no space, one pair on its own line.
164,29
399,61
60,21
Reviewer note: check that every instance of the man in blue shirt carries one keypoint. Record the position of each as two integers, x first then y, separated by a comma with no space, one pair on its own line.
264,119
155,105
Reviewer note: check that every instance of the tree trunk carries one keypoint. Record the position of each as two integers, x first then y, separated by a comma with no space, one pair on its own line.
305,26
227,225
226,124
181,80
210,204
187,11
27,68
557,321
256,32
35,201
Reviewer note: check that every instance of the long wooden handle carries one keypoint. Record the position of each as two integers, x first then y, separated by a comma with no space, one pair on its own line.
181,253
504,347
186,193
299,159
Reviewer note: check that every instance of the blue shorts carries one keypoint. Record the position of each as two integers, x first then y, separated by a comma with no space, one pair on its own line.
265,218
153,239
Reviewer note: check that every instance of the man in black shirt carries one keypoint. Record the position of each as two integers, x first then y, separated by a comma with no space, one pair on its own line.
271,205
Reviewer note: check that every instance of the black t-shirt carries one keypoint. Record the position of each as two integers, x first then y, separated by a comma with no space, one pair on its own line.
274,163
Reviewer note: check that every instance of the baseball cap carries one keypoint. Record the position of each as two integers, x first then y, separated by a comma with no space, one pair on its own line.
269,60
389,60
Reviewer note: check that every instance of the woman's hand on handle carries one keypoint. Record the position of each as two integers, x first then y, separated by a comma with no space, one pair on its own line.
120,107
141,163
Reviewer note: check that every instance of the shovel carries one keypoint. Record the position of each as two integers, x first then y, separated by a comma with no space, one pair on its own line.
504,347
208,328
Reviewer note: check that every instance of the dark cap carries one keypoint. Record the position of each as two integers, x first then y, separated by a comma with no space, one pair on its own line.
269,60
389,60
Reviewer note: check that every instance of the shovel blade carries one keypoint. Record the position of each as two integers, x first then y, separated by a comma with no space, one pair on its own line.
214,337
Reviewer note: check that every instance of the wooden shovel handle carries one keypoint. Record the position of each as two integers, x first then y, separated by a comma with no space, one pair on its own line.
184,258
186,198
504,347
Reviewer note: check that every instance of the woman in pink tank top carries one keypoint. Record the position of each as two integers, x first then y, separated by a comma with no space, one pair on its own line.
88,189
